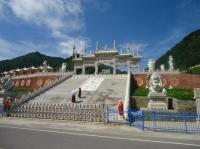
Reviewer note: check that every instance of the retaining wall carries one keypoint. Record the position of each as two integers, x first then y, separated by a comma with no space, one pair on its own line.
138,102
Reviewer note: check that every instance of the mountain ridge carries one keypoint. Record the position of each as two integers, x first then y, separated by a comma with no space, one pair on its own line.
31,59
186,53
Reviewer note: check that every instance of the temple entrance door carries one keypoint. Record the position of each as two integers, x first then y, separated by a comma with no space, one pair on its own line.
78,71
170,103
89,70
105,68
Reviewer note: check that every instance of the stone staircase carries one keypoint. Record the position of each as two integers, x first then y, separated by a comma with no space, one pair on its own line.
60,93
111,89
29,97
109,92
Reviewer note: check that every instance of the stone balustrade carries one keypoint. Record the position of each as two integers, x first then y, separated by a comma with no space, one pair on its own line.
75,112
43,74
197,97
40,91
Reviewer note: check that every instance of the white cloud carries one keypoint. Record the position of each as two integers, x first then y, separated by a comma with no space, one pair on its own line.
63,18
58,15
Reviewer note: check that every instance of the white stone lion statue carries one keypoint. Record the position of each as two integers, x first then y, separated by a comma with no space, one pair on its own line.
156,84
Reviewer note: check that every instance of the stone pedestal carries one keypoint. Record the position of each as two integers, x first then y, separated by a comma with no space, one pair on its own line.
157,101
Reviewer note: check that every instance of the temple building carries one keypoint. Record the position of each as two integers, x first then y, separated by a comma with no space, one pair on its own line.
109,57
26,71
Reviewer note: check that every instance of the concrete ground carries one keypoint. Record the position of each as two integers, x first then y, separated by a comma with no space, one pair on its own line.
19,133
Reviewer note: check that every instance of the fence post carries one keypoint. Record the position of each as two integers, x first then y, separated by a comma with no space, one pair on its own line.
143,120
130,119
185,120
107,113
154,121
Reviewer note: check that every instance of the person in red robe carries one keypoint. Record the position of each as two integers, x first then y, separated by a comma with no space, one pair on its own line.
120,107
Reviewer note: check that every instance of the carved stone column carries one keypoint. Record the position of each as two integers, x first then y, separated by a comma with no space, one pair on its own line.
114,66
83,69
128,66
75,69
96,68
138,67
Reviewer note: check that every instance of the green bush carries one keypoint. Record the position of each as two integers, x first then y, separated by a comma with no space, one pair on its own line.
140,92
180,94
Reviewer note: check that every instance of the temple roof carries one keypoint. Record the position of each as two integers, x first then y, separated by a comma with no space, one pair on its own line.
106,51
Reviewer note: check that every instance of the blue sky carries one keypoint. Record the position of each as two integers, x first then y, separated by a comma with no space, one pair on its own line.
51,26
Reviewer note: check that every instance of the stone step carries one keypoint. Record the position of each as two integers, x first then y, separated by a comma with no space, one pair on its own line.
109,91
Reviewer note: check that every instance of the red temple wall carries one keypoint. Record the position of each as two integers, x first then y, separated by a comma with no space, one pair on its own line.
181,80
34,82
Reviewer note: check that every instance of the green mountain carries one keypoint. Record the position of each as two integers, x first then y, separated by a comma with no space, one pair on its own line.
36,59
32,59
185,54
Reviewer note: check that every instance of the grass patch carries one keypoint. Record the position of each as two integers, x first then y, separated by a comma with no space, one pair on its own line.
140,92
22,91
180,94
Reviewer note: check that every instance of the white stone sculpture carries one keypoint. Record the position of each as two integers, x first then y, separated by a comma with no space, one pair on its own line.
171,63
6,83
151,65
162,68
63,68
156,84
6,86
44,66
157,94
170,87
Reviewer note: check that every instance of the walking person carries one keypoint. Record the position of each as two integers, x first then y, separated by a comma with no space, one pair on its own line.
79,93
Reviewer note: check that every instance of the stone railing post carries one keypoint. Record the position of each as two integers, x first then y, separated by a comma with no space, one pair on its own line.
127,95
197,97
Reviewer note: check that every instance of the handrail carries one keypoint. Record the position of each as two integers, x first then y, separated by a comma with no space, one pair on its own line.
43,74
40,91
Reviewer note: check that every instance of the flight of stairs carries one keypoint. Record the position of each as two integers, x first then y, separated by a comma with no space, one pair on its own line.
109,92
